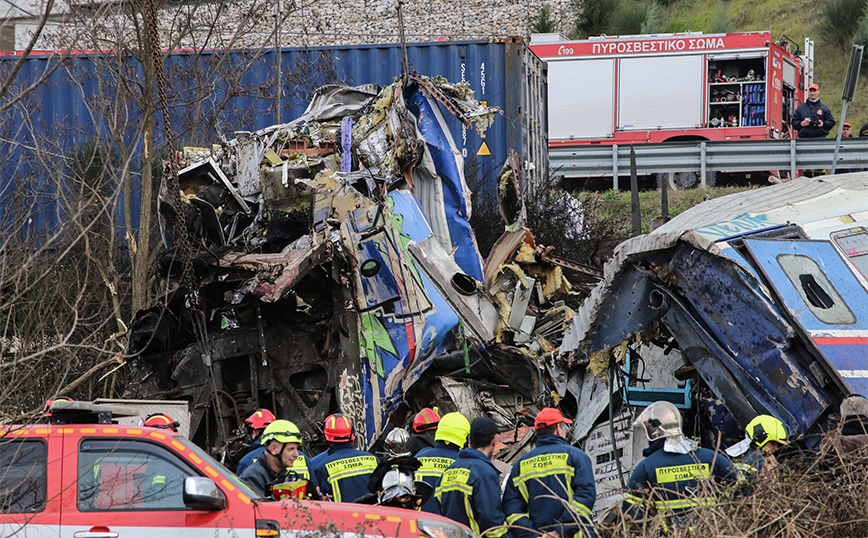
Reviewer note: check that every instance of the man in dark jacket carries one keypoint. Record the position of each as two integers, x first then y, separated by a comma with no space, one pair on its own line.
552,487
812,118
469,490
255,425
424,425
342,472
669,476
281,440
451,437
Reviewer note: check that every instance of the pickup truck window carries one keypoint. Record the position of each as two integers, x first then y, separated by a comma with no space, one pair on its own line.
130,475
23,478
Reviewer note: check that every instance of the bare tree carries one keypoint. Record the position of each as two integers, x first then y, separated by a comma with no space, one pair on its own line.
75,262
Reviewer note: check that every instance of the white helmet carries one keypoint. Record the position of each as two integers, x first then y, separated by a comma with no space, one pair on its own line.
397,484
660,420
396,443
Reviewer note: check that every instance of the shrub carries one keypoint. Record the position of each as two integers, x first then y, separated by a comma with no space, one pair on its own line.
592,16
544,22
720,24
837,23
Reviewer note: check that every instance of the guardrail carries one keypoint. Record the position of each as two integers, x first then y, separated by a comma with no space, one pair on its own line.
703,156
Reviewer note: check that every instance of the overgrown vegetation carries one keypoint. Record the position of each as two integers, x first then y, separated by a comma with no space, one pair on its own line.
817,493
839,21
544,22
583,226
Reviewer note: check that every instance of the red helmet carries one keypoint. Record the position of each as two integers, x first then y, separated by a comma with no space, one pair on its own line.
426,419
47,409
260,419
160,420
338,429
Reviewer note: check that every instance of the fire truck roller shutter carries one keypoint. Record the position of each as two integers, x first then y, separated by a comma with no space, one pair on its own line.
581,98
661,92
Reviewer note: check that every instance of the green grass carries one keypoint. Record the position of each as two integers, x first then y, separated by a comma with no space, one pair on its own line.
615,205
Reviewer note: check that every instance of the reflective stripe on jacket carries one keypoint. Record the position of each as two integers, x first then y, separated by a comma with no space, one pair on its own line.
553,469
668,480
469,493
434,461
343,472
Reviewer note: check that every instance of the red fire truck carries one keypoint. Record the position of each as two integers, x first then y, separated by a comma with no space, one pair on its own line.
672,87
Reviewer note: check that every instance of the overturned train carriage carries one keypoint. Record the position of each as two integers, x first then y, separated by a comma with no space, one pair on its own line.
754,303
335,270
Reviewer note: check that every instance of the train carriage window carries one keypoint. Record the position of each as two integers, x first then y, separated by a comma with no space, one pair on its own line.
815,289
854,243
23,478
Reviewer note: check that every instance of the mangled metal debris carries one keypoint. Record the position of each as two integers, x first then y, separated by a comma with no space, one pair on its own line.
754,303
336,270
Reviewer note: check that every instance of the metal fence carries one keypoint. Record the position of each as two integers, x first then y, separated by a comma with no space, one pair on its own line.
715,156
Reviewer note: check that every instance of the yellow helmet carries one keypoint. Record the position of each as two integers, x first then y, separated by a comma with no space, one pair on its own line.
282,431
765,428
453,427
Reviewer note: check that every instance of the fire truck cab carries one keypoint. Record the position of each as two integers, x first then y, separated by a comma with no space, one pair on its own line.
85,476
658,88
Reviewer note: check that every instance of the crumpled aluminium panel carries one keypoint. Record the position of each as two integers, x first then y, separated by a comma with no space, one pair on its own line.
345,291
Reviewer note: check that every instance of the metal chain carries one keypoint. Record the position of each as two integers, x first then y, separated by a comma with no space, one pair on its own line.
184,250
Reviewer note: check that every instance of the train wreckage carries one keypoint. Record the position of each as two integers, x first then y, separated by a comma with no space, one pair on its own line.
336,270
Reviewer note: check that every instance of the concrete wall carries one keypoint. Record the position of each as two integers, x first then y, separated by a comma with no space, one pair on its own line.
314,23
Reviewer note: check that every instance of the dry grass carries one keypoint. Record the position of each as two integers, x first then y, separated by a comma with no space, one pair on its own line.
822,494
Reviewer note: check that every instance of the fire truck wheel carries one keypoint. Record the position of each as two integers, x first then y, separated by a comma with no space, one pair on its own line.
679,181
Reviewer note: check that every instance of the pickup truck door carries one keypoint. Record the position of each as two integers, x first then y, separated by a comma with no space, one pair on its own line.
30,468
824,297
133,488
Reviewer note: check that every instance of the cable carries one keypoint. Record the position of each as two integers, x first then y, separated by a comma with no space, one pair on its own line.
612,367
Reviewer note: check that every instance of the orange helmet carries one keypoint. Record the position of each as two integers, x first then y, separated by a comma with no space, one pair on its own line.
338,429
426,419
260,419
161,421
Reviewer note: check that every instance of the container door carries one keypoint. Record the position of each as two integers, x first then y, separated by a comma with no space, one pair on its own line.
825,299
581,99
665,92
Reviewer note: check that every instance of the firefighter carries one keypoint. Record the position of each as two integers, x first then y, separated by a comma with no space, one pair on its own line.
469,490
161,421
342,472
255,424
424,425
668,478
281,440
450,437
812,118
550,489
764,435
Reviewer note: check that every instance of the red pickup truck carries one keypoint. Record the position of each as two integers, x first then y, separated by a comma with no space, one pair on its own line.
90,478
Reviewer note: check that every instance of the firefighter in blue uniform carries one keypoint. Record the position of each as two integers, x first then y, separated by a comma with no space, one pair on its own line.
281,440
469,490
450,437
255,424
669,477
551,489
764,435
342,472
